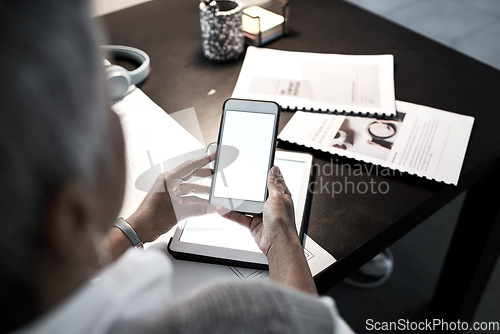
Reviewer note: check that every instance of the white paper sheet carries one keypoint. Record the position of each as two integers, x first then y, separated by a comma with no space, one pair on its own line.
424,141
156,142
302,80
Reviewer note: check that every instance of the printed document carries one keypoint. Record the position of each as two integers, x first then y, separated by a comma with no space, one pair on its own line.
321,82
420,140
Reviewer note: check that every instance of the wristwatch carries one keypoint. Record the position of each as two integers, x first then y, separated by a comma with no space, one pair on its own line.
129,232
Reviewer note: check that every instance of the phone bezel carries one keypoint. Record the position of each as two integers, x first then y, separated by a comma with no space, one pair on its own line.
264,107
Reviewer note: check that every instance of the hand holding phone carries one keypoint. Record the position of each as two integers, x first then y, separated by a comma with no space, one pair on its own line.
245,153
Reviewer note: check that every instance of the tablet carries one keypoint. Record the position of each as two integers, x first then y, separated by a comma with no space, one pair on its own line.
214,239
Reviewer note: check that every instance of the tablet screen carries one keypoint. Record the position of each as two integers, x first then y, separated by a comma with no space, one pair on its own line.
214,230
252,134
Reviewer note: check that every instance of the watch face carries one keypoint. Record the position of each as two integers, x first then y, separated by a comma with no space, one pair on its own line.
381,130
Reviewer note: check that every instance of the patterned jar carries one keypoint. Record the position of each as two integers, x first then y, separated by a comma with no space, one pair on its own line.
221,32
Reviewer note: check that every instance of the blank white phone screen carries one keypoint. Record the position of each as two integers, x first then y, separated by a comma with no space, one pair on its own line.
244,178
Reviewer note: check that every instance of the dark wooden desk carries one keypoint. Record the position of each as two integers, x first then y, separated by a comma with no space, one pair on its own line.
352,227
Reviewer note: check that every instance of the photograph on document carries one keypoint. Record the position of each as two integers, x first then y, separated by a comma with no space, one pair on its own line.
368,136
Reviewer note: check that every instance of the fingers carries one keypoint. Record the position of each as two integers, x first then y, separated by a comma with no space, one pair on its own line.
185,170
197,206
275,182
193,188
203,172
285,187
238,217
222,211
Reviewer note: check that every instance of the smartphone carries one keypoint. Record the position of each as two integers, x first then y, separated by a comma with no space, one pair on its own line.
245,153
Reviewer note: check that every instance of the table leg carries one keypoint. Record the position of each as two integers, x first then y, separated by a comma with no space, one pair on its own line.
472,254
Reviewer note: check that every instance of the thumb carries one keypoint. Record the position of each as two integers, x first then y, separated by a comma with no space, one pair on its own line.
274,180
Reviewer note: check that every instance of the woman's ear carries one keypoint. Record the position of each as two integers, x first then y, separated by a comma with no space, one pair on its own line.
67,254
68,223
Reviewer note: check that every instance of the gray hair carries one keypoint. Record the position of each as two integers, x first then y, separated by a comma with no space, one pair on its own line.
53,123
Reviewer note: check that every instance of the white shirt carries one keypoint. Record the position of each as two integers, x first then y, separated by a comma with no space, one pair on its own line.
137,284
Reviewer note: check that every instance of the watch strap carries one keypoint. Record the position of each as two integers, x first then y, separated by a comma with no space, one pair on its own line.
129,232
